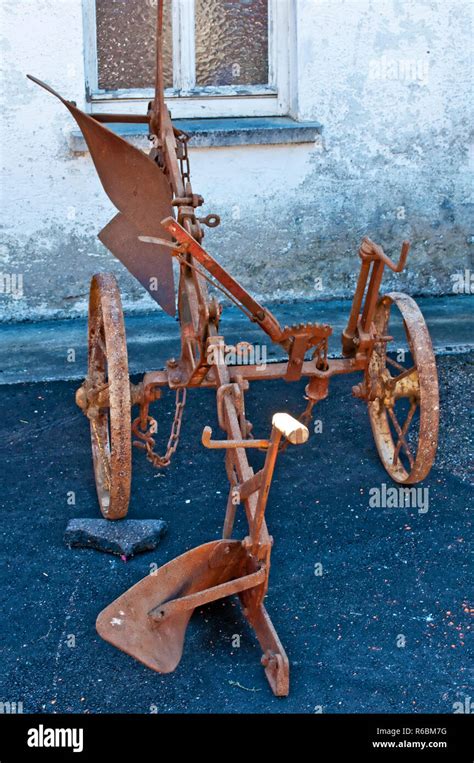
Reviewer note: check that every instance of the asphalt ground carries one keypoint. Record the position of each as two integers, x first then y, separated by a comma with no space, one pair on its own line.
389,575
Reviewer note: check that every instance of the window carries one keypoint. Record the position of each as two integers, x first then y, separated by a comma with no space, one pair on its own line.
221,57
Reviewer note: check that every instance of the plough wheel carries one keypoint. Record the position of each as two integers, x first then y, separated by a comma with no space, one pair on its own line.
108,376
403,398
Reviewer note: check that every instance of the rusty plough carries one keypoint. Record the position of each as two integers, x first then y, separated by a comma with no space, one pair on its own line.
157,221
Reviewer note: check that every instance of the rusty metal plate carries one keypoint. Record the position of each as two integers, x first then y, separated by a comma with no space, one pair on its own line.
135,185
126,624
151,266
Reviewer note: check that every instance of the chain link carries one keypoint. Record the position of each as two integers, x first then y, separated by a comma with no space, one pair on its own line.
146,441
183,156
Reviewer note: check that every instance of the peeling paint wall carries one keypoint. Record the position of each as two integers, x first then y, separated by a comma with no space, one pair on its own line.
390,80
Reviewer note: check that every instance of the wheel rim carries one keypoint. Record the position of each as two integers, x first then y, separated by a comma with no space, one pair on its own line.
108,376
403,399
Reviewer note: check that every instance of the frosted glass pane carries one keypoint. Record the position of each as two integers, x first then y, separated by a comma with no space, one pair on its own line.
231,42
126,31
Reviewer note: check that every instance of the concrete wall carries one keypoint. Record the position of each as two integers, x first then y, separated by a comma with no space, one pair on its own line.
389,80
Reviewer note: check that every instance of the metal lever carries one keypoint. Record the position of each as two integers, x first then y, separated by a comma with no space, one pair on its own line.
369,249
294,431
215,444
287,426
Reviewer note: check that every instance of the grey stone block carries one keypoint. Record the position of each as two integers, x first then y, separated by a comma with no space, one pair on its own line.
124,537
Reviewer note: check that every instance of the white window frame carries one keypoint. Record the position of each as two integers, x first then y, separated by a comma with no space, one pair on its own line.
190,101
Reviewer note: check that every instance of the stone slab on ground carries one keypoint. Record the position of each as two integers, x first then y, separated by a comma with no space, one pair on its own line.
124,537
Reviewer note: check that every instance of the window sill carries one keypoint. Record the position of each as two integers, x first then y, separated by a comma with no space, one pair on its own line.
229,131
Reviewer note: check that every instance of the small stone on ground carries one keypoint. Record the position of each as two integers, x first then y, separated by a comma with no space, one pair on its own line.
124,537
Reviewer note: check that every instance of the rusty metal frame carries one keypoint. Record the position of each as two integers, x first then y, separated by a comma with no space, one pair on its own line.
157,222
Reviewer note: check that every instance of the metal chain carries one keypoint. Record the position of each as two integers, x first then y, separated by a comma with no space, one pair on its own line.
145,438
148,443
182,139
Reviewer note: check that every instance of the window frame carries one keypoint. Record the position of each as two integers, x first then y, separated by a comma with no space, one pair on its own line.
190,101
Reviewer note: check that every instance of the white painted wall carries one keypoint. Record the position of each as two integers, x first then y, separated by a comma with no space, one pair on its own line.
395,159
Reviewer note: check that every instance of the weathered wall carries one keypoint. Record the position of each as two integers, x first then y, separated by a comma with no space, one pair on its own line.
388,79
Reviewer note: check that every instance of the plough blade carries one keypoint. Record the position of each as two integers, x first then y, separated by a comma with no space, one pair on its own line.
152,267
138,622
134,183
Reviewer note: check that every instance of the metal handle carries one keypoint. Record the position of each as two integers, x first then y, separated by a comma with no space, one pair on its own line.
208,443
369,249
294,431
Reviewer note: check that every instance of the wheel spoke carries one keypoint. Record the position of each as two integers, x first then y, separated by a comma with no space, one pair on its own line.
394,363
401,435
405,427
405,373
406,384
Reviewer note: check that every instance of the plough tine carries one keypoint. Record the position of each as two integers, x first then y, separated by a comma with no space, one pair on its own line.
149,620
274,659
130,622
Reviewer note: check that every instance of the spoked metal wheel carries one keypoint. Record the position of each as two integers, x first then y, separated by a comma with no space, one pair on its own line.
107,390
403,398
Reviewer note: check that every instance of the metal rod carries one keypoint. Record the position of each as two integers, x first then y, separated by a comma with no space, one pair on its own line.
218,444
267,476
159,100
372,294
121,118
260,315
351,327
198,599
231,510
271,371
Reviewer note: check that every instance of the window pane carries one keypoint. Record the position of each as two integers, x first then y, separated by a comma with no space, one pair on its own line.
126,32
231,42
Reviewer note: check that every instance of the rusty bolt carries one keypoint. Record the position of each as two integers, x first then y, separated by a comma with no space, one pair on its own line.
267,658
